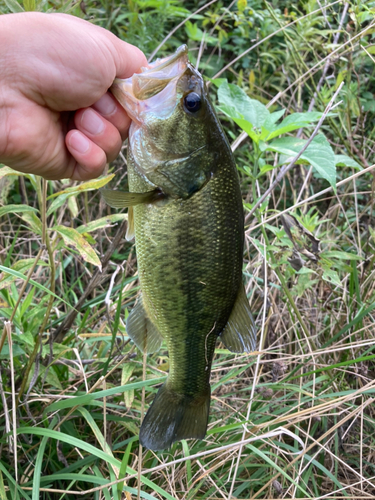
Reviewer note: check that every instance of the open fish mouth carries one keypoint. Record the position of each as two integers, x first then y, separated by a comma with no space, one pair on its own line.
154,89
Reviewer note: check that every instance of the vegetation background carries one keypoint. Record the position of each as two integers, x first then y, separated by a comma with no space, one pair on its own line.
292,420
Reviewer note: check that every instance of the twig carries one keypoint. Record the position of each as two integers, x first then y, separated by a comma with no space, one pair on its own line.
329,60
316,195
245,429
268,37
286,168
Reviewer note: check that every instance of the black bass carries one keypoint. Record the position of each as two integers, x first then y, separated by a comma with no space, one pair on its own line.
186,211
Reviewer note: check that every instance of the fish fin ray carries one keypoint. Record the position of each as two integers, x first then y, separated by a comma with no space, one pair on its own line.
239,334
122,199
130,232
142,330
172,417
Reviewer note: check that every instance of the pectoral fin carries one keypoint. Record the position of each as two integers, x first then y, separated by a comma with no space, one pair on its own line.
130,230
122,199
239,334
142,331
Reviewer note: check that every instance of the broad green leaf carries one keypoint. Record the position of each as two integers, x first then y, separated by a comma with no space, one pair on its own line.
100,223
16,209
332,277
346,161
251,131
237,104
73,237
16,351
292,122
85,186
196,34
270,124
319,154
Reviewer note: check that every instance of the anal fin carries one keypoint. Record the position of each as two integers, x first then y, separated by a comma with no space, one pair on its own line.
141,329
239,334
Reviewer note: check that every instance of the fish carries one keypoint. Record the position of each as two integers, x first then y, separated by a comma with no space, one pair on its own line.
186,212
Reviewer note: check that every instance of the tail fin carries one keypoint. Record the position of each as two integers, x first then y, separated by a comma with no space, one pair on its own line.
173,417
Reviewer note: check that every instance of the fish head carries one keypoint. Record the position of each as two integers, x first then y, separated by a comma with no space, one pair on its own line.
174,131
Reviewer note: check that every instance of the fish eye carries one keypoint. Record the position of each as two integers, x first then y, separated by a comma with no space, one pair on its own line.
193,102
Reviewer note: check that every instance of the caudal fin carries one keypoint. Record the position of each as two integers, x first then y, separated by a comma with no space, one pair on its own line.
173,417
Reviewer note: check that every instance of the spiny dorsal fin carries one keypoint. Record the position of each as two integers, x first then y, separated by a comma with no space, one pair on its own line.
142,331
130,232
122,199
239,334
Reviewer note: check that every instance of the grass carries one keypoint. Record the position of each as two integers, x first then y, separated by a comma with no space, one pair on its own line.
294,419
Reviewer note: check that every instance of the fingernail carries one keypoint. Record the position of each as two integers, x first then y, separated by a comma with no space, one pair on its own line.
79,142
106,105
91,122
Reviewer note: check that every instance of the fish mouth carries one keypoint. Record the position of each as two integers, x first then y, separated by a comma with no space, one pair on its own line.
154,89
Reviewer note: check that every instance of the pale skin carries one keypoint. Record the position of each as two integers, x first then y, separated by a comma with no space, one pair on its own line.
57,118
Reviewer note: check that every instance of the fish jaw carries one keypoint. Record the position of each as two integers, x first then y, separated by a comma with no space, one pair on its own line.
154,89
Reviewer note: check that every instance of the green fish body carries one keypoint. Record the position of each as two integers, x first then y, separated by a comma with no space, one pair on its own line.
186,208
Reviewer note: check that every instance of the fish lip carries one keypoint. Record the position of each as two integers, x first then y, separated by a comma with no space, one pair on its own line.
161,64
152,79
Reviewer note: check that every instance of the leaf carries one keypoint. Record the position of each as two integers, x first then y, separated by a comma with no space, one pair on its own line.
74,238
33,221
14,7
29,5
16,351
341,255
346,161
319,154
102,222
332,277
293,122
17,274
16,209
248,113
73,207
7,170
89,398
85,186
21,266
195,33
91,450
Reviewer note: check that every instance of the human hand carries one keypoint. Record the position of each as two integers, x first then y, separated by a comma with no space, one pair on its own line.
57,119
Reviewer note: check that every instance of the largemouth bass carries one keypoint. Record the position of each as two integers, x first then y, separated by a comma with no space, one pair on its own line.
186,211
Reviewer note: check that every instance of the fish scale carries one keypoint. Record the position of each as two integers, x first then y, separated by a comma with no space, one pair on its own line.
188,225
